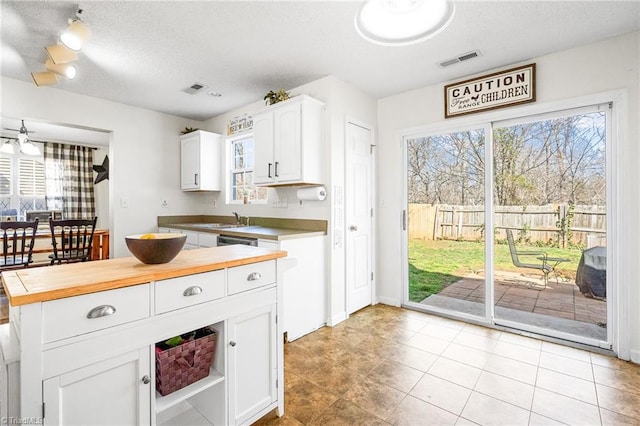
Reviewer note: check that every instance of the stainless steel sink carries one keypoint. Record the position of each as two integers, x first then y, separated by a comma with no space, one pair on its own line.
214,225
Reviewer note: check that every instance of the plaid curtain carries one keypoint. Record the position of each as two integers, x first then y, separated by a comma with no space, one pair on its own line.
69,180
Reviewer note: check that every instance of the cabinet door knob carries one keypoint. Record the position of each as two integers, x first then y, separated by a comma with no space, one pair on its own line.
232,343
254,276
353,228
192,291
101,311
146,379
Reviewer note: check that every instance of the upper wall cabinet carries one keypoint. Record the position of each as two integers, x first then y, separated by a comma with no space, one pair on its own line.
200,161
288,142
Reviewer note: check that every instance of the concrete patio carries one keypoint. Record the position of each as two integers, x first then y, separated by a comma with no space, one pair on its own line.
523,298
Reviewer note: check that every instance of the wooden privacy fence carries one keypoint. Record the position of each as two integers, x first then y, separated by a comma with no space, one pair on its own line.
581,224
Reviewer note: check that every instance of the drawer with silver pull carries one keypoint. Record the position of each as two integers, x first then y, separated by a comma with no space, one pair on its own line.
77,315
247,277
176,293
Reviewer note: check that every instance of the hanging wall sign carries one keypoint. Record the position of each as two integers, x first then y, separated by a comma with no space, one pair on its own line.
239,125
498,90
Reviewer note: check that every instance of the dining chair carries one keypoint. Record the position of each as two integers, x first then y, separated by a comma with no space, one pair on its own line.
71,239
17,243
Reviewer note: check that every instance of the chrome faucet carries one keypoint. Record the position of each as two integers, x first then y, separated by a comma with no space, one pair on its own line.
237,218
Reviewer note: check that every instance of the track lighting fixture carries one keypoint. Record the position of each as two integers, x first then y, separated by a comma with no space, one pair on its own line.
76,34
61,54
46,78
66,70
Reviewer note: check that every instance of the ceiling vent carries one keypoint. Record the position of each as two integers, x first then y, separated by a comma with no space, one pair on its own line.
195,88
460,58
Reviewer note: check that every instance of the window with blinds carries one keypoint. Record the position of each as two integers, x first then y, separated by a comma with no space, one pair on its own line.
5,176
31,178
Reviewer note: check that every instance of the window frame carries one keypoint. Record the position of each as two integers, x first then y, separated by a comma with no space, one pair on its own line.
231,171
15,184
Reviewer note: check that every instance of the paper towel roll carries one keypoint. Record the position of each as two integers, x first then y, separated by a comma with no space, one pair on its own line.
316,193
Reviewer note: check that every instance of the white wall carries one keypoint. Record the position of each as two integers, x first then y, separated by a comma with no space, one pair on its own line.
602,67
342,100
144,152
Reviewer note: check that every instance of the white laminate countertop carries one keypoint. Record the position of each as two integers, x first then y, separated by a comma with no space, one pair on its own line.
252,231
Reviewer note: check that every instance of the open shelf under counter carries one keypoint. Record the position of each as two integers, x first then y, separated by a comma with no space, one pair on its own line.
165,402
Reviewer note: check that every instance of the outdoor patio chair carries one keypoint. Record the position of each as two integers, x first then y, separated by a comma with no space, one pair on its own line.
534,259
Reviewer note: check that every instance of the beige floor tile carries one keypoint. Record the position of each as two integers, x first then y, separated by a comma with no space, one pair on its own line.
411,324
611,418
374,397
622,377
457,325
360,360
626,402
466,355
518,339
566,351
456,372
428,343
344,413
441,393
505,389
538,420
482,331
440,331
413,411
412,357
465,422
570,386
485,410
517,352
274,420
396,375
564,409
333,377
476,341
609,361
511,368
570,366
394,334
305,401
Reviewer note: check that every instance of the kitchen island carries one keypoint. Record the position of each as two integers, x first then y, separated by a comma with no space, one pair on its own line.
83,337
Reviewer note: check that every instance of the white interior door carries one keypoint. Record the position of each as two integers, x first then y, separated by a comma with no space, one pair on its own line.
358,212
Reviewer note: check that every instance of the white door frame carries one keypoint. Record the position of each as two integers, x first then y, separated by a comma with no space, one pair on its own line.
372,249
618,332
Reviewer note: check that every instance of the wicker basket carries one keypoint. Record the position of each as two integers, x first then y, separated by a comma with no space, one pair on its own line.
186,363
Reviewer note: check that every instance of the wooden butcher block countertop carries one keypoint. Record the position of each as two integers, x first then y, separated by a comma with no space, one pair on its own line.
32,285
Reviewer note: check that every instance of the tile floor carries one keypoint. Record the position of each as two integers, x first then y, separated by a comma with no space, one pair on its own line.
387,365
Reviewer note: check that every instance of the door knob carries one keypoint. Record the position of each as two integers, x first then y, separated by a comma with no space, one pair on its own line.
146,379
353,228
232,343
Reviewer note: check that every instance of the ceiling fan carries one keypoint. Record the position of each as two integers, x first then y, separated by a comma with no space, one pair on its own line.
26,146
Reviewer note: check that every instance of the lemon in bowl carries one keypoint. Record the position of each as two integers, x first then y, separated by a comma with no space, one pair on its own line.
155,248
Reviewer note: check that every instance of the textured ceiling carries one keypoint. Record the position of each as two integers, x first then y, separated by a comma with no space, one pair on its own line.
144,53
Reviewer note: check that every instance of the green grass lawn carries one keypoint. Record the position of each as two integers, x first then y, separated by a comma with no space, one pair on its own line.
434,265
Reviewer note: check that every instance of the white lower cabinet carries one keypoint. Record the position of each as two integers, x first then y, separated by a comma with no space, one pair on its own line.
116,391
252,363
107,376
303,285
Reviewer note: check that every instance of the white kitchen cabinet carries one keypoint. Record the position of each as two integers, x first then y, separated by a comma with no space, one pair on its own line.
252,363
105,374
201,162
193,238
288,139
303,285
116,391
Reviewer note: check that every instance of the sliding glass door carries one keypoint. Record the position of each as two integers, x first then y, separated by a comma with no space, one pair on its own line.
538,250
446,229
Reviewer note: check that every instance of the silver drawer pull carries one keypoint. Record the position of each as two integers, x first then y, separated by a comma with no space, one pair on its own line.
192,291
254,276
101,311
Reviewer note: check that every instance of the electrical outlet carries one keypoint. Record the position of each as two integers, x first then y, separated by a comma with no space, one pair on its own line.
214,203
124,202
165,203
